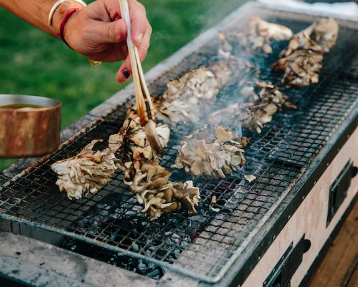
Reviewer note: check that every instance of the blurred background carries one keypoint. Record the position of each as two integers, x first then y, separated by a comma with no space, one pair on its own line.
33,63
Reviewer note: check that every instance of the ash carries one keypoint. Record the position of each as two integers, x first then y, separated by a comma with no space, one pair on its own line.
114,258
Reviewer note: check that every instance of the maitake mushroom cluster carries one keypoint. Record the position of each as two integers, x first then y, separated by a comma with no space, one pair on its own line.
90,170
321,36
256,37
211,151
189,97
85,173
324,32
300,69
301,61
131,142
150,183
261,101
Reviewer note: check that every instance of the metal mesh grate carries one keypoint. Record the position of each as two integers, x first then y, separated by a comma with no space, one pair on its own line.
209,240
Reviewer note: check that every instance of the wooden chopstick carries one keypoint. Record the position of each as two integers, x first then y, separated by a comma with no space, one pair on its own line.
143,99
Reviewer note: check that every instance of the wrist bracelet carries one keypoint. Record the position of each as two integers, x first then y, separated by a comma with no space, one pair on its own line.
55,6
93,63
64,20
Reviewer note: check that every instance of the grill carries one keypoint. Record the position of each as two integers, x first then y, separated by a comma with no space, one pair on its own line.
205,245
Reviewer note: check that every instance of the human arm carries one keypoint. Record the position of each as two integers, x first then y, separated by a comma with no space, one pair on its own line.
96,31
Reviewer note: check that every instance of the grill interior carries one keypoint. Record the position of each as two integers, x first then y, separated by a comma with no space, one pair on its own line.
277,157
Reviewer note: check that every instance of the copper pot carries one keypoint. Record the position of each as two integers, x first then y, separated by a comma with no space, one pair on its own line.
29,132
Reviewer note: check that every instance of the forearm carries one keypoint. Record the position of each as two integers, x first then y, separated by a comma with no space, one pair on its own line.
36,12
96,31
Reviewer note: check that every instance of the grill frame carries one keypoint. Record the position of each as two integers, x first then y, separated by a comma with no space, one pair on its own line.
173,267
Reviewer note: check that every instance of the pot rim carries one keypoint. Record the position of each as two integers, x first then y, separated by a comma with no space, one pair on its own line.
11,99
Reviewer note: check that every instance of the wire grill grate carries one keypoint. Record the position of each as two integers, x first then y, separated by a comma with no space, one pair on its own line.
277,157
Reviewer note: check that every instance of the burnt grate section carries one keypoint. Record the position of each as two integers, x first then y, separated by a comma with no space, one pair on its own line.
205,244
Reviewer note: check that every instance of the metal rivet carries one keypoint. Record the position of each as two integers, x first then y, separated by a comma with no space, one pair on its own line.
303,197
315,182
289,216
327,163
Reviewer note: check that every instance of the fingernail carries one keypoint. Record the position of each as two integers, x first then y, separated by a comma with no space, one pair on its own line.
126,74
116,16
140,38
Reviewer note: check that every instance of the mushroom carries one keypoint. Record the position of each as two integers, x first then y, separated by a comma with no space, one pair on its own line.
249,177
261,101
85,173
131,142
301,61
321,36
210,151
192,95
194,86
300,69
255,37
150,183
325,33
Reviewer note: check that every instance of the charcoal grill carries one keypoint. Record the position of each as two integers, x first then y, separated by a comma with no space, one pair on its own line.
267,232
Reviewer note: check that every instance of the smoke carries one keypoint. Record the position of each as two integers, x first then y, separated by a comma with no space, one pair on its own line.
201,15
211,12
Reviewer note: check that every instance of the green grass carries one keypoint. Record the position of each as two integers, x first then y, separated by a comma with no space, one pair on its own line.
34,63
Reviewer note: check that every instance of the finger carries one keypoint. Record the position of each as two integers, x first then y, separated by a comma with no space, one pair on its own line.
106,32
124,72
97,10
139,21
143,48
113,9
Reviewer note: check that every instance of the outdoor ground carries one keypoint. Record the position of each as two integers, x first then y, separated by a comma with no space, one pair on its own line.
34,63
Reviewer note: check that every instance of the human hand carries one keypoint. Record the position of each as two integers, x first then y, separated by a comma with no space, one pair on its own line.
99,32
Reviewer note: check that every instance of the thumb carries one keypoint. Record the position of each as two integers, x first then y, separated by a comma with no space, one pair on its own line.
107,32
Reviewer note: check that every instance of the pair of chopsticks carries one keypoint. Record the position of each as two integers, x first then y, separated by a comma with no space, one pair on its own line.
143,99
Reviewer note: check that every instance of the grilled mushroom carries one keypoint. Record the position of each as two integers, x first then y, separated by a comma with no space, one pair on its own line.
300,69
150,183
196,86
257,34
86,172
131,142
301,41
261,101
325,33
225,47
189,97
302,59
249,177
210,151
321,36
